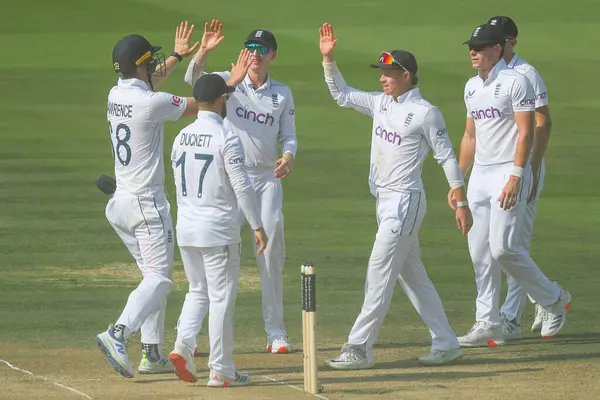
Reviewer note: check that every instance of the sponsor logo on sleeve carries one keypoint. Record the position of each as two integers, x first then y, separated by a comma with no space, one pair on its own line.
176,101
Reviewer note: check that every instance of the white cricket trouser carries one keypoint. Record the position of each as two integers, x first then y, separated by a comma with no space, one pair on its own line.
496,242
270,263
516,297
144,225
396,256
213,274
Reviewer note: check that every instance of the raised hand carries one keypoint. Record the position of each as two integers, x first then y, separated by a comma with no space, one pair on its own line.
327,40
240,69
183,37
212,35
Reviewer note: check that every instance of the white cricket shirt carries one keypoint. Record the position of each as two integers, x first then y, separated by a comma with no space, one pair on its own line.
210,180
539,87
262,117
404,130
135,116
492,104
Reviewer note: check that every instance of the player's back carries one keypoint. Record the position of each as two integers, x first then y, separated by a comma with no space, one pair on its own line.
136,115
207,213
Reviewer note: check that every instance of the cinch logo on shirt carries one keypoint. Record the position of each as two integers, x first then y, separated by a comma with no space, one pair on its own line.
528,102
263,119
488,113
388,136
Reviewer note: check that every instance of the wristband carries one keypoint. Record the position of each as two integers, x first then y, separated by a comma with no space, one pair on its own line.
464,203
517,171
177,56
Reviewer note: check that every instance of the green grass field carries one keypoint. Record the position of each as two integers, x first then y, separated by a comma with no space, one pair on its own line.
65,274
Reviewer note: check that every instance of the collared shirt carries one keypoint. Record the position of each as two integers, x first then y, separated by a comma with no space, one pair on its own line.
404,130
263,117
539,87
136,115
492,103
211,180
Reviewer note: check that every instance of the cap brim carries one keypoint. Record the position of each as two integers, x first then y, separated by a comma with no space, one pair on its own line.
476,42
256,41
384,66
229,89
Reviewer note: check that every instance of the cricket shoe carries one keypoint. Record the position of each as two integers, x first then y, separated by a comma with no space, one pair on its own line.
482,335
439,357
217,380
350,358
114,348
279,345
510,329
183,363
556,315
538,320
149,366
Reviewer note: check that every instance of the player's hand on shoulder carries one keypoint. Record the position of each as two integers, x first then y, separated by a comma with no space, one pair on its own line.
239,70
327,40
183,38
261,239
284,166
212,35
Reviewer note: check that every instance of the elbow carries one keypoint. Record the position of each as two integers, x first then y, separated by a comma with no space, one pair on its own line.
548,125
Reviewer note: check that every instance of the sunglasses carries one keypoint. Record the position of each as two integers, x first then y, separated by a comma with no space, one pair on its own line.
226,96
388,59
261,49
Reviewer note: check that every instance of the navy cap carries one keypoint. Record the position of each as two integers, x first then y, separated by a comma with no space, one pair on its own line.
400,58
506,25
486,34
131,52
210,87
262,36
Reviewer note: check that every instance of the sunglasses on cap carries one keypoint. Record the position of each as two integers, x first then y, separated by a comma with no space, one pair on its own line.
226,96
260,48
387,58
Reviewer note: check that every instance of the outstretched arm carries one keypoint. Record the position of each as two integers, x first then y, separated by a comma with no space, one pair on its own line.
345,95
210,40
183,37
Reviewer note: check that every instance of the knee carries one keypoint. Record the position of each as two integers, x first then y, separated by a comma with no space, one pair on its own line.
504,255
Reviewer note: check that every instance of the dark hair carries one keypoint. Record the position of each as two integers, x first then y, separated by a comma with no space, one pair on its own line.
414,79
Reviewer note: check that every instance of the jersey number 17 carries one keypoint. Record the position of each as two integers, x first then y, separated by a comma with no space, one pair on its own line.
207,158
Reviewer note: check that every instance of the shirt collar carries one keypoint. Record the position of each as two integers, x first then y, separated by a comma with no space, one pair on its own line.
249,83
210,115
409,95
500,65
514,60
133,83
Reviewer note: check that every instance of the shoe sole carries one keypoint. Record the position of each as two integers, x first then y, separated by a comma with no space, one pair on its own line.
113,362
150,372
348,367
443,361
562,324
487,343
180,366
281,350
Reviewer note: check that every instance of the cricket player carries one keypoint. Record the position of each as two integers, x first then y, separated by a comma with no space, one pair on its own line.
405,128
261,112
138,210
211,180
500,106
512,309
